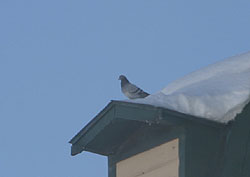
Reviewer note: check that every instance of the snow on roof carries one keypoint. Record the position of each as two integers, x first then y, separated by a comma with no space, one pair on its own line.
217,92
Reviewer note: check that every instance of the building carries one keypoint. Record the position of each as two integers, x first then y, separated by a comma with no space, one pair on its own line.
148,141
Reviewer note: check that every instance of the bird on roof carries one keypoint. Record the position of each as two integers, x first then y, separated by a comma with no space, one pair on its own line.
131,90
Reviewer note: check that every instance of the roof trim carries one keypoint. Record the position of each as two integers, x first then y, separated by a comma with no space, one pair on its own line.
127,111
160,110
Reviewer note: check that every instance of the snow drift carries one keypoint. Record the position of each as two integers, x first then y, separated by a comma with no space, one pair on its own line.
217,92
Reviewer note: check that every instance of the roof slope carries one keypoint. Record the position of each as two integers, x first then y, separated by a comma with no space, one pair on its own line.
217,92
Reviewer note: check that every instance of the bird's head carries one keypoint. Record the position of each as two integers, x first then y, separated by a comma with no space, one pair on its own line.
122,77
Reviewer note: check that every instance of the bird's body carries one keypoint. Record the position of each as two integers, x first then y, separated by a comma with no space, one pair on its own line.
131,90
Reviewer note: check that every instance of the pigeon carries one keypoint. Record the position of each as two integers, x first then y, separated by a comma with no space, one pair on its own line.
131,90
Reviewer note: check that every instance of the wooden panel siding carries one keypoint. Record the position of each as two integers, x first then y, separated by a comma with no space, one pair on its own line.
160,161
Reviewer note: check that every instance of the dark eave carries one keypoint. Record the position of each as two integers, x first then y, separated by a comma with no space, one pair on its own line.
119,119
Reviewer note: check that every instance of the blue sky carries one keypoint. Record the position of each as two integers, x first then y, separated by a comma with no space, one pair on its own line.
60,61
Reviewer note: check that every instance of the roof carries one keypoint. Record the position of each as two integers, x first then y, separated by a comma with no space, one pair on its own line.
119,120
